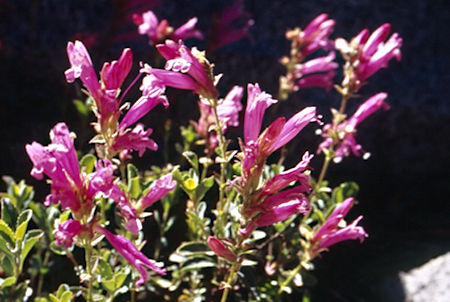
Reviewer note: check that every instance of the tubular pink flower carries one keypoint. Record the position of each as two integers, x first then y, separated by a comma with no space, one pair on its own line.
257,103
324,80
132,222
102,179
280,213
66,231
344,140
113,74
220,250
372,53
295,193
367,108
283,179
352,231
59,162
333,220
160,188
180,58
316,33
329,233
81,67
152,95
228,109
135,257
321,64
187,31
136,139
172,78
149,25
293,126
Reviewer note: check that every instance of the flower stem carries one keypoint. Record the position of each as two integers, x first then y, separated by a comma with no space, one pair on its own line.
230,281
290,277
88,255
219,223
326,162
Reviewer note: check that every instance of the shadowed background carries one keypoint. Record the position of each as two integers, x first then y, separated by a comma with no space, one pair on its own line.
404,186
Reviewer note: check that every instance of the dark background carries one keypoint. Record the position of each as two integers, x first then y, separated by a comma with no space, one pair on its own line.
404,185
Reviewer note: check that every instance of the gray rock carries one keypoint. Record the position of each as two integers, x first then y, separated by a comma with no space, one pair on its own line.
429,282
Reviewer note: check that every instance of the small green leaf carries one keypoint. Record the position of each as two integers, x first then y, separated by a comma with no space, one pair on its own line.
204,186
6,232
9,212
81,107
66,296
197,264
192,159
30,240
7,282
88,163
22,223
134,187
132,172
53,298
105,269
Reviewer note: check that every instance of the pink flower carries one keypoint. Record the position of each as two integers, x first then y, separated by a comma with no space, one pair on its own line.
66,231
81,67
257,103
181,59
228,109
59,162
329,233
135,257
318,72
152,94
157,32
160,188
113,74
283,179
187,31
292,127
315,35
228,112
369,53
342,138
220,250
224,30
136,139
129,214
149,25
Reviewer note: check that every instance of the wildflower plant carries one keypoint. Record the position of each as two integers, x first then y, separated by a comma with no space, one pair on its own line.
241,213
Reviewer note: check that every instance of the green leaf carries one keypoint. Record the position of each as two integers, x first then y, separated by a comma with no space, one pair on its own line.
81,107
192,159
22,223
203,187
345,190
6,232
88,163
7,247
132,172
62,289
105,269
134,187
7,282
30,240
66,296
8,264
9,213
53,298
197,264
